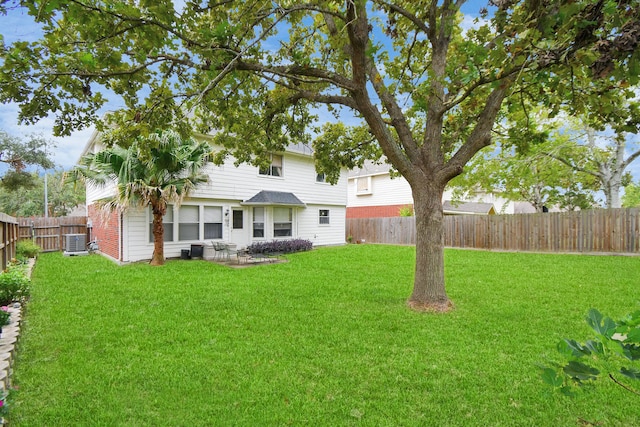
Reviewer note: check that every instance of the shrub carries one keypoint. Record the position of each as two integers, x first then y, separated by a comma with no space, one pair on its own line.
14,286
27,249
280,246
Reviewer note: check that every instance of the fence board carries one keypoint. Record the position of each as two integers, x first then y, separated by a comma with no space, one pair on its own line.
9,236
598,230
48,233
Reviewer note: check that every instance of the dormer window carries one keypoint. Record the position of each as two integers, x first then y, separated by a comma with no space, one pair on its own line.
363,185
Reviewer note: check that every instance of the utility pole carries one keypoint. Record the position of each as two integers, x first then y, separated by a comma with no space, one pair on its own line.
46,196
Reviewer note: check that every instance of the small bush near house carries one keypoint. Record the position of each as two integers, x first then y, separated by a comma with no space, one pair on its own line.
27,249
14,286
280,246
406,210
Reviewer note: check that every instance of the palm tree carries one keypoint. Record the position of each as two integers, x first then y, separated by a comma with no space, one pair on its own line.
154,171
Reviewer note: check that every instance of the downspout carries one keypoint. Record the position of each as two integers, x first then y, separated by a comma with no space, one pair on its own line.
120,236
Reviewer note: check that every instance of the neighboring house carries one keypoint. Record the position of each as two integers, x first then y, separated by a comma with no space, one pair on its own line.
372,192
240,205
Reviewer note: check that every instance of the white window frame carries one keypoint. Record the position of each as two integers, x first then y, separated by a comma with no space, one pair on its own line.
324,219
254,222
271,169
211,215
363,191
188,221
279,222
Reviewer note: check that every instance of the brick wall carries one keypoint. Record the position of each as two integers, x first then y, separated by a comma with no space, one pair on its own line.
374,211
106,228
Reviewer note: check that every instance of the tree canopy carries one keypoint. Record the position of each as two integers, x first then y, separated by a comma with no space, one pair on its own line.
423,90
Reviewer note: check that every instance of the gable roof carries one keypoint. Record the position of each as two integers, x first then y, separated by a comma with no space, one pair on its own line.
468,208
271,198
370,168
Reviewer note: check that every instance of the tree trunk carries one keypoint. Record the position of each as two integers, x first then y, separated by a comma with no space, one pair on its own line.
429,288
158,234
612,195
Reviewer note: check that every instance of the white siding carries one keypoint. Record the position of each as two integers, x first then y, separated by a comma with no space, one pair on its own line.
98,192
322,234
384,191
243,182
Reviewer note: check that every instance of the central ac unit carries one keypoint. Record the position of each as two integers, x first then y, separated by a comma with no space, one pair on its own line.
75,244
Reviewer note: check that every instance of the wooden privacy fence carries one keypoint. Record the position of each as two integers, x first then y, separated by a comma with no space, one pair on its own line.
598,230
8,239
48,233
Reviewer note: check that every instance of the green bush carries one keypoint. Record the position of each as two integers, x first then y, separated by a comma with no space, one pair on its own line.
27,249
14,286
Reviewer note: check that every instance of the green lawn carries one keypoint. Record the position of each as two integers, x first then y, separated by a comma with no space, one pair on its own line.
322,340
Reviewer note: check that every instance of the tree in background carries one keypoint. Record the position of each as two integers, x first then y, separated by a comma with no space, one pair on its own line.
19,153
154,171
29,201
631,197
530,177
419,88
604,155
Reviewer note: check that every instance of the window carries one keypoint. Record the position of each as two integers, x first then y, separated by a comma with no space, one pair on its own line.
212,222
238,220
323,217
167,223
282,222
189,223
275,169
258,222
321,177
363,185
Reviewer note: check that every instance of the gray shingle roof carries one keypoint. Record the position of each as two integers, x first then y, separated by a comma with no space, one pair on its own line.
270,198
468,208
370,168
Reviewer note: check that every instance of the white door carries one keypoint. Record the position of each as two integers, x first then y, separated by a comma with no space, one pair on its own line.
239,227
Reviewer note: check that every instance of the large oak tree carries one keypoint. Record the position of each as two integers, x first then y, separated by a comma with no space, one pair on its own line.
425,93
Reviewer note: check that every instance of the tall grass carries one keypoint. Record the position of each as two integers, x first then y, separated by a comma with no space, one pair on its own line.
325,339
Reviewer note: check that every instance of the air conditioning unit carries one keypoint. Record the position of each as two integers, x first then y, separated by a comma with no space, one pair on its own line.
75,244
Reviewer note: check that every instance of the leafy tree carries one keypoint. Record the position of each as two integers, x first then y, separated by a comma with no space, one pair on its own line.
631,197
18,153
154,171
62,197
425,93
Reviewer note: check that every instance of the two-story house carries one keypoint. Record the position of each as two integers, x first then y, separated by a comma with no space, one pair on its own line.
240,204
